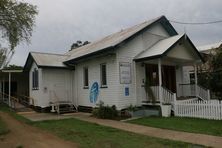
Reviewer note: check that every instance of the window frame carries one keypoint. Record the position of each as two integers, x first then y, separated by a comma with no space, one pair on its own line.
84,77
102,85
35,79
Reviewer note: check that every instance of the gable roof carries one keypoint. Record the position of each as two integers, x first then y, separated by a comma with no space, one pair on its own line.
116,39
162,47
45,60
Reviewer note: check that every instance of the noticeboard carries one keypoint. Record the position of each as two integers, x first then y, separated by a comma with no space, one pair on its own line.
125,72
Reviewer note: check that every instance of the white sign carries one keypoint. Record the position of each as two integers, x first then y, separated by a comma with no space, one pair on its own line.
125,72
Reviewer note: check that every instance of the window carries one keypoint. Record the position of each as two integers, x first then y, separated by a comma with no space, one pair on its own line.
85,77
103,75
35,79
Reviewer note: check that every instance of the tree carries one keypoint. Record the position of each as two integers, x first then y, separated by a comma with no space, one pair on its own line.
216,72
211,77
16,21
78,44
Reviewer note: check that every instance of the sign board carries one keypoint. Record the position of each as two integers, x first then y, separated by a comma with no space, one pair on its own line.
126,91
125,72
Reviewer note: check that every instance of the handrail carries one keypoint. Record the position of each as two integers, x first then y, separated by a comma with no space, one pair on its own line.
13,98
194,90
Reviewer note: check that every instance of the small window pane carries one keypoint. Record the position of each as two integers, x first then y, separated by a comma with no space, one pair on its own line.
35,79
103,75
86,77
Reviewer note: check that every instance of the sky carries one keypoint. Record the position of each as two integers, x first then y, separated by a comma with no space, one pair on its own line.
62,22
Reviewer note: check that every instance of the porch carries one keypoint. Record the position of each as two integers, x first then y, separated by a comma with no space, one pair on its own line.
166,79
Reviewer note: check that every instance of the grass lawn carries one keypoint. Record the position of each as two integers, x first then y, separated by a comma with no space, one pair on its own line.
91,135
211,127
97,136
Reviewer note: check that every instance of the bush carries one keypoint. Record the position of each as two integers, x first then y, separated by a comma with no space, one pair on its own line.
105,112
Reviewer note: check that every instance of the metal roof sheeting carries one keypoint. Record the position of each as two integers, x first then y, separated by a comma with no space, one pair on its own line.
49,59
159,48
209,46
109,41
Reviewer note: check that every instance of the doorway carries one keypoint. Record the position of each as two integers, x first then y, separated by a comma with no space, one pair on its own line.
168,76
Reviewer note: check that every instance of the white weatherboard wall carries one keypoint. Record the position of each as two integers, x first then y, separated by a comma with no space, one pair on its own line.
36,94
107,95
51,82
126,54
57,86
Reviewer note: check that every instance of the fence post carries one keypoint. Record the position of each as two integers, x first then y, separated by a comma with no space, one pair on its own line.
175,103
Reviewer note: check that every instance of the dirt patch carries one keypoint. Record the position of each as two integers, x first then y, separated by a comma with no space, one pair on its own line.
26,136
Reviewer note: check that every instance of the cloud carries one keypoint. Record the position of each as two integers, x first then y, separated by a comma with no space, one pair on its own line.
62,22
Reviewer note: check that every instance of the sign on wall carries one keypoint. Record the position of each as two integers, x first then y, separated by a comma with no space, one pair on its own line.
125,72
126,91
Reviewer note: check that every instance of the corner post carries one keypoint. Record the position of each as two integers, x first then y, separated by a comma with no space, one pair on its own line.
9,89
195,73
160,81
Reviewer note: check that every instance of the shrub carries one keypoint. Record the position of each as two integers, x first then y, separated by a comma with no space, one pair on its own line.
105,112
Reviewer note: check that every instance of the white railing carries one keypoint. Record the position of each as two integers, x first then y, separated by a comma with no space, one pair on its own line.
168,96
189,90
208,109
155,90
203,93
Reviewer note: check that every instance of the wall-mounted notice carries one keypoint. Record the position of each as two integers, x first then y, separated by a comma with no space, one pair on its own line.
125,72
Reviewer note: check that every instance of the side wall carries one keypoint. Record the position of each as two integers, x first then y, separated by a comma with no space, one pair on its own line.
54,85
107,95
37,94
57,85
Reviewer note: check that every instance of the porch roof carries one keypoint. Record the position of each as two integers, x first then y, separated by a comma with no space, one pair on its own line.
162,47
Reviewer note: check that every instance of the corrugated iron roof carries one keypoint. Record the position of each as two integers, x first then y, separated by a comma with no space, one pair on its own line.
159,48
209,46
109,41
49,59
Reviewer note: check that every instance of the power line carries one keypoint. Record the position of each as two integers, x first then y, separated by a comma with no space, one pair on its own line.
196,23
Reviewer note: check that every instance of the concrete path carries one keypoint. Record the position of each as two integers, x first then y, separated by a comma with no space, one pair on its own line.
201,139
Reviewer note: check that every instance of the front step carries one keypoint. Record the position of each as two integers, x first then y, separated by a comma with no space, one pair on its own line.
63,107
144,103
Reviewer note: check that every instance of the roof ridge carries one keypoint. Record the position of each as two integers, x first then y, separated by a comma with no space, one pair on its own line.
112,34
48,53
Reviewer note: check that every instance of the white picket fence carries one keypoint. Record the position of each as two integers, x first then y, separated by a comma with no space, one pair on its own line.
208,109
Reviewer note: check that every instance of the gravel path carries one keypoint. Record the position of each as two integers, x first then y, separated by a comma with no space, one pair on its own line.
26,136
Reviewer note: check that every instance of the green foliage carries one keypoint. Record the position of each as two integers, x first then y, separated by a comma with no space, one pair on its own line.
132,108
16,21
212,77
105,112
192,125
13,67
78,44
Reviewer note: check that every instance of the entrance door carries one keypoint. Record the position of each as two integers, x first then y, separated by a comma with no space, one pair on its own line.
152,74
168,76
